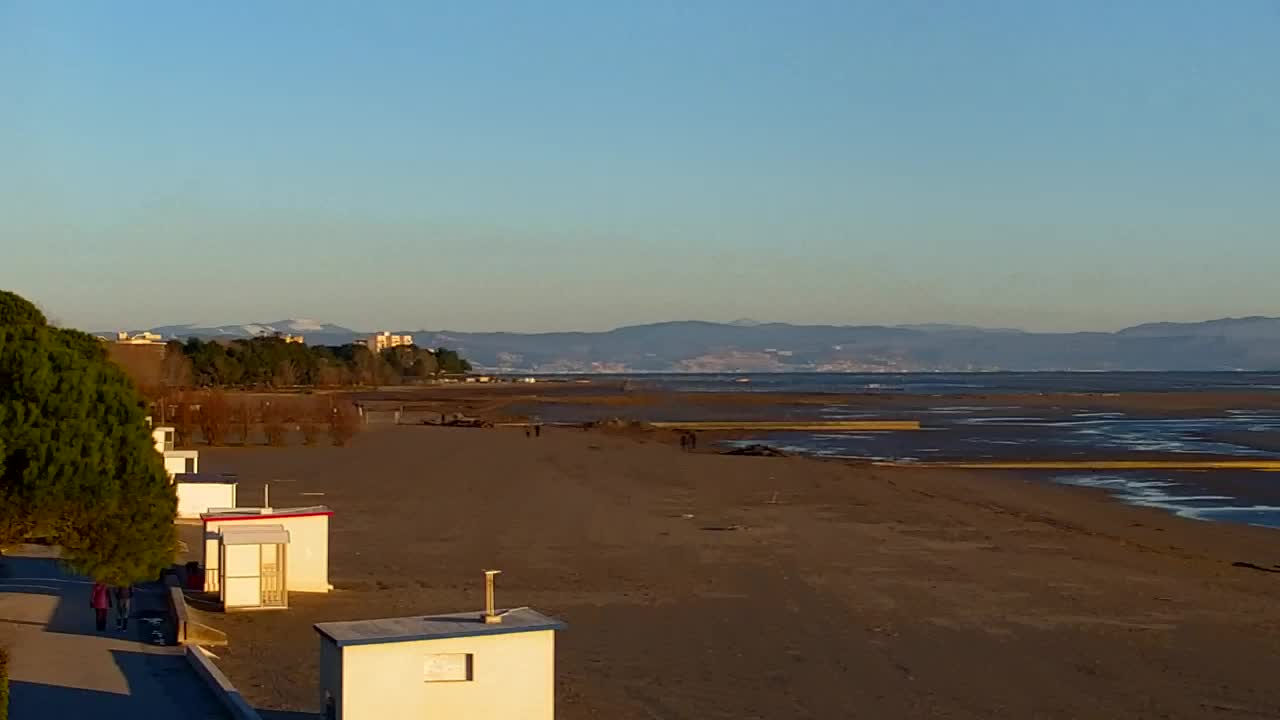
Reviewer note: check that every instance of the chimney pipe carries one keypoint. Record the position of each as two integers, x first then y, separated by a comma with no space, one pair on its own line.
491,616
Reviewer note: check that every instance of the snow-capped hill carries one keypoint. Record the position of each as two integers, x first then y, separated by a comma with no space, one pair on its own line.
304,325
313,331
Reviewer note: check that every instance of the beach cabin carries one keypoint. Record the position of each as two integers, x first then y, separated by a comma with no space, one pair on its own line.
164,438
307,552
202,493
181,462
440,667
176,462
253,563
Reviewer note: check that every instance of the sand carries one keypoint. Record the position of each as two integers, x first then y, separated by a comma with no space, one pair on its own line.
702,586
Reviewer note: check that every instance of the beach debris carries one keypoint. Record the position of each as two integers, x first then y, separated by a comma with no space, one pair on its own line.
756,451
1252,566
456,419
724,528
620,425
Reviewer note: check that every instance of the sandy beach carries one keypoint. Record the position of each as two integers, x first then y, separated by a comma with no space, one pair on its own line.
706,586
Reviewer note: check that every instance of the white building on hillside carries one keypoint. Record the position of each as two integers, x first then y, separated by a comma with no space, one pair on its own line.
142,338
385,339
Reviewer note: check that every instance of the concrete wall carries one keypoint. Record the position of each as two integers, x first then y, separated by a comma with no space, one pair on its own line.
307,559
513,678
226,693
201,497
330,673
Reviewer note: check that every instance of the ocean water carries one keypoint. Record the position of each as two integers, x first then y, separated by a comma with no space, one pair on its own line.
965,383
958,431
1212,496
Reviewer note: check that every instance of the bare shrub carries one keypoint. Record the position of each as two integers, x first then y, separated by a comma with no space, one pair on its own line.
244,421
273,423
313,415
184,422
344,422
215,417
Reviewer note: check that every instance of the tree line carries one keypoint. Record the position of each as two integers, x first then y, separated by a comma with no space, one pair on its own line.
221,419
273,362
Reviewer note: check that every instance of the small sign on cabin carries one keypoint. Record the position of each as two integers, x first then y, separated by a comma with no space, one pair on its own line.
447,667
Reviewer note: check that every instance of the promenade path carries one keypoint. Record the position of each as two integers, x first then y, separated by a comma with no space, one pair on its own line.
61,667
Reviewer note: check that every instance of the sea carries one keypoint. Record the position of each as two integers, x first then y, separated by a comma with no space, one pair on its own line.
995,430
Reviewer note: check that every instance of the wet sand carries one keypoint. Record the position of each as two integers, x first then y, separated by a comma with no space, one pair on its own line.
704,586
606,399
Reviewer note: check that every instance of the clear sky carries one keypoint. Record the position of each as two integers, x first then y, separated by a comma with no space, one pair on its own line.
581,165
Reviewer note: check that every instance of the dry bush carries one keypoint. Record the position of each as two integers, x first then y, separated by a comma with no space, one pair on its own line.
344,422
273,423
215,417
312,417
184,420
244,421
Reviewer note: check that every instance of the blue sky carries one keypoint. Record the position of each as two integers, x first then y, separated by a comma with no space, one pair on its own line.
540,166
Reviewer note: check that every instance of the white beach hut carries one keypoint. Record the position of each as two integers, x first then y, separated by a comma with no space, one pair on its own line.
253,564
308,548
201,493
492,665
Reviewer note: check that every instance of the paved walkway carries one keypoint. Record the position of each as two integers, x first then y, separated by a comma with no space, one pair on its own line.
61,667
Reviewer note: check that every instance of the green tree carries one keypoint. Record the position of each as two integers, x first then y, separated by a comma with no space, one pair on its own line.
451,363
272,362
77,463
17,310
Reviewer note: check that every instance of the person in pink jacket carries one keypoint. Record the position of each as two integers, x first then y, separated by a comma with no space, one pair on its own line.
100,601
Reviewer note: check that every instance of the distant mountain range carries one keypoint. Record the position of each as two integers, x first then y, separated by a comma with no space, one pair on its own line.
1251,343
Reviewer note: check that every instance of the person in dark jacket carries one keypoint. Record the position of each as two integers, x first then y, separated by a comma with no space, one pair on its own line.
123,596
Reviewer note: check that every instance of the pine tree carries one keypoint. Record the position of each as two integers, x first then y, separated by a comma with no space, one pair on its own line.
77,463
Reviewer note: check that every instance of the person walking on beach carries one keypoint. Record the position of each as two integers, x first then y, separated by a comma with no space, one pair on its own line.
124,594
100,601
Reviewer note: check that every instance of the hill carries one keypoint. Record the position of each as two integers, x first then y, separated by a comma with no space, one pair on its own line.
746,346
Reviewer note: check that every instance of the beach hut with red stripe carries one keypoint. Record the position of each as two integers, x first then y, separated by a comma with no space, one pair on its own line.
306,559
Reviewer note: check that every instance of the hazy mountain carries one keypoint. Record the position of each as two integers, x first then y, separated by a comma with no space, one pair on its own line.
692,346
946,327
1251,328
